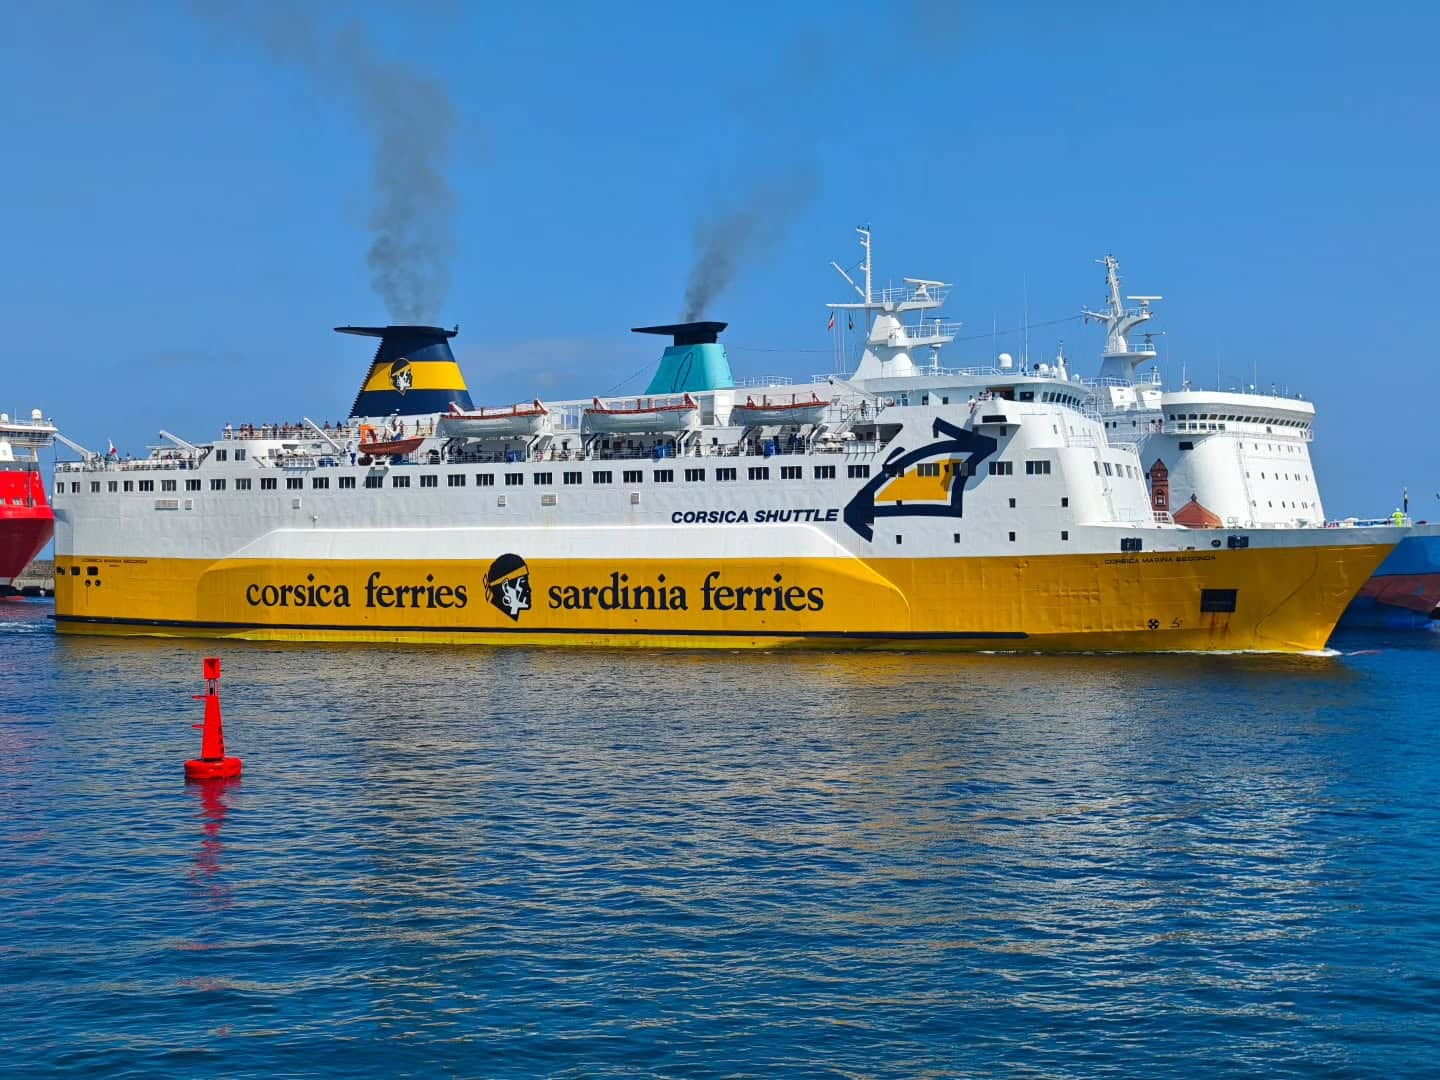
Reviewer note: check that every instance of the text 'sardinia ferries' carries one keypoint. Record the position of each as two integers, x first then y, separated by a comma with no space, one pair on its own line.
898,507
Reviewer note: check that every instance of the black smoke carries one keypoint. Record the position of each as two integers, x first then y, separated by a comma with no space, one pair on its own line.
410,120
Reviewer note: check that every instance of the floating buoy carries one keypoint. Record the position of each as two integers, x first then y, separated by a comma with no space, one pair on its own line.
212,764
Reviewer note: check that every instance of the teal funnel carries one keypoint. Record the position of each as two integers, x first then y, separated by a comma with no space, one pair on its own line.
695,362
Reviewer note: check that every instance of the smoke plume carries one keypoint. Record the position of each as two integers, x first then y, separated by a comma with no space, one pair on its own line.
410,120
742,234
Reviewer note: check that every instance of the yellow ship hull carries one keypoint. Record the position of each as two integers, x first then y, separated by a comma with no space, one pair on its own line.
1279,599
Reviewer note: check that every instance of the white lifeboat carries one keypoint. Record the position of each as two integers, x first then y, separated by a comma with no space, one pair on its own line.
516,421
771,411
646,414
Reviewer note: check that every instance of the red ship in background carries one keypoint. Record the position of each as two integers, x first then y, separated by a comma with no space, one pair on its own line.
26,520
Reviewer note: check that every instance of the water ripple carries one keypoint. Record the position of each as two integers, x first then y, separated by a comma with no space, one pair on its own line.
591,864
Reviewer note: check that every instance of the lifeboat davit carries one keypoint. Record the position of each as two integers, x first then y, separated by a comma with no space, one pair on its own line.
770,411
516,421
647,414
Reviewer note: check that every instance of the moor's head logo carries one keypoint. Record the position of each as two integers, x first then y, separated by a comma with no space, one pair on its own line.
507,585
401,377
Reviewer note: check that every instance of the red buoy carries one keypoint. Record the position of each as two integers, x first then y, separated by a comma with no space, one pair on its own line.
212,764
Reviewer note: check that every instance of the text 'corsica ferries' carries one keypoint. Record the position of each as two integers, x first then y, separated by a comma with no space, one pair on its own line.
979,509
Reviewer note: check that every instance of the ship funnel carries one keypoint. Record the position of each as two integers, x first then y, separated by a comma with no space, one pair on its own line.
414,373
694,363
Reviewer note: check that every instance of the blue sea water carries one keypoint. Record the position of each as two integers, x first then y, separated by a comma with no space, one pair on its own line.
576,863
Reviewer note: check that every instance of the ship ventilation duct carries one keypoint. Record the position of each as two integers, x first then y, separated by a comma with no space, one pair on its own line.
414,373
695,362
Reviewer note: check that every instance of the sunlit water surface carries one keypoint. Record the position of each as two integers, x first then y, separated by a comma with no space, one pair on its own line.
703,864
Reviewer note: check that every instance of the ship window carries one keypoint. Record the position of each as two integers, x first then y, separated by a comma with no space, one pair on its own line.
346,482
633,476
1007,468
239,455
694,475
928,468
574,477
217,485
790,472
192,485
165,485
399,481
514,479
1108,470
1097,467
1217,600
90,571
664,476
429,480
602,477
956,536
1065,500
1187,446
543,479
824,472
95,486
1012,504
1026,395
267,483
292,483
1064,534
899,539
725,474
858,472
242,484
374,481
145,485
484,479
1012,538
759,472
1037,468
130,484
220,455
455,479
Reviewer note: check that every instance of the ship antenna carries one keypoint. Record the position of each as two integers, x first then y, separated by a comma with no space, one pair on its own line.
864,231
1025,308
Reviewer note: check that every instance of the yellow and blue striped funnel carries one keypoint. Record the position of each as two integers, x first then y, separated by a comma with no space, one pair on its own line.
413,373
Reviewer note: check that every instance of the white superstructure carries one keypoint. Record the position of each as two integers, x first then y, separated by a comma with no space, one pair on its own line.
1237,459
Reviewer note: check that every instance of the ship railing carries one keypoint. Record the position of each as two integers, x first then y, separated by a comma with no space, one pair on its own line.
901,294
921,332
765,380
1162,517
147,464
1404,520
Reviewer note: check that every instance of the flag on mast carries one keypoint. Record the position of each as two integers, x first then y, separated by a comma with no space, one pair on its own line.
831,324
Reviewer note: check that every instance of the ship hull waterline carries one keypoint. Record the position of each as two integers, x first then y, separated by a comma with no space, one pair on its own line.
1284,600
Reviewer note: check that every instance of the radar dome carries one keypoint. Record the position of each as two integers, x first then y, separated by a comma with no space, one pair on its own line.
1006,361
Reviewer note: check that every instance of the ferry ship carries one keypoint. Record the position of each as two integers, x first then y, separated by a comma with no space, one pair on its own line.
1227,459
971,511
26,520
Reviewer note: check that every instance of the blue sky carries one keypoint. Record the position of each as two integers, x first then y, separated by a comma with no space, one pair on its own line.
187,211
